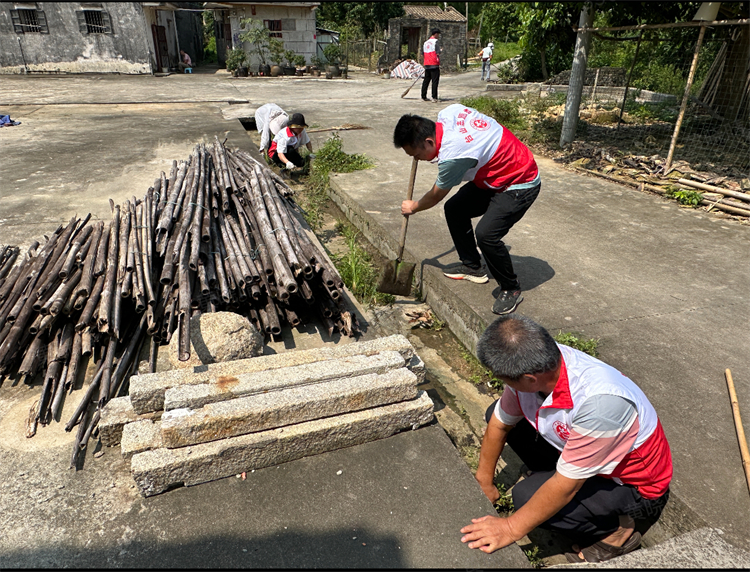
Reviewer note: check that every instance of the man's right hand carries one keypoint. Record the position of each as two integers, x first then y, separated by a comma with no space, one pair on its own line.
409,207
488,488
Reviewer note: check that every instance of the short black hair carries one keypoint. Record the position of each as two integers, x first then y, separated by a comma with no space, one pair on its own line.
412,130
515,345
435,31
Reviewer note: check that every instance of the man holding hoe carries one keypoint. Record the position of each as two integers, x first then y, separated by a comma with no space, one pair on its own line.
503,182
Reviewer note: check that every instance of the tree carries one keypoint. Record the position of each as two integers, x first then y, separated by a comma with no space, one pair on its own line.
547,34
367,17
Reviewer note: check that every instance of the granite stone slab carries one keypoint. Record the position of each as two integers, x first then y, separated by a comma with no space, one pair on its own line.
230,387
183,427
147,390
139,436
157,470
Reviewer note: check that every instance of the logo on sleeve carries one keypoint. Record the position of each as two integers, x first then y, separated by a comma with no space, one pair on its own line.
561,430
480,124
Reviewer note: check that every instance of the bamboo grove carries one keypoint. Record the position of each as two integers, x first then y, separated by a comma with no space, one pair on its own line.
217,234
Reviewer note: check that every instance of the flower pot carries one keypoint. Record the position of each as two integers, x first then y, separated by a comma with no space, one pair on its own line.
264,69
299,72
242,72
315,73
328,75
276,71
289,70
334,70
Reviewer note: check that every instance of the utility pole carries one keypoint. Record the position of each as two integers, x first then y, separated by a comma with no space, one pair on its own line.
577,75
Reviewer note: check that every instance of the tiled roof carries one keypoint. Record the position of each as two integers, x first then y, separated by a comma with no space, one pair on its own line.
434,13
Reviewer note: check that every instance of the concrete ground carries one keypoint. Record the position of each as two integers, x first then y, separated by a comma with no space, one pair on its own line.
396,503
665,289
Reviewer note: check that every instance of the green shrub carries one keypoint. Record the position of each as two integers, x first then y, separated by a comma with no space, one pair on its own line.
209,51
505,111
661,78
358,271
235,59
503,51
685,197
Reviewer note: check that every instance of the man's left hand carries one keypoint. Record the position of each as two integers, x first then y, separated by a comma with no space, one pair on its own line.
488,533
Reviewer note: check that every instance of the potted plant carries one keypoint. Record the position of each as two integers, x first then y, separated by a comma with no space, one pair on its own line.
299,62
276,50
289,68
317,63
235,60
258,36
333,54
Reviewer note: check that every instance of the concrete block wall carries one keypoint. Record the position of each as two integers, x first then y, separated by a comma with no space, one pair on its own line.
238,416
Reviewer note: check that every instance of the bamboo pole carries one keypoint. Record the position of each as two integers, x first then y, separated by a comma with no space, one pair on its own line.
738,427
685,97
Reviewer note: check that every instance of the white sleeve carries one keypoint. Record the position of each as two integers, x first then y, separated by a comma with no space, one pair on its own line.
265,135
281,142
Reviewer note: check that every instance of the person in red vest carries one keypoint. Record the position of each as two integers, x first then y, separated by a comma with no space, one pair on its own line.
602,461
283,151
503,182
431,51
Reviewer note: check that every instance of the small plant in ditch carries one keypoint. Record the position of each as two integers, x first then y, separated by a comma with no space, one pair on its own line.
532,554
504,504
589,346
330,157
357,269
478,374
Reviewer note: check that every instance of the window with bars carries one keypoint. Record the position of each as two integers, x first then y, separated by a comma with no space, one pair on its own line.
94,22
274,26
29,21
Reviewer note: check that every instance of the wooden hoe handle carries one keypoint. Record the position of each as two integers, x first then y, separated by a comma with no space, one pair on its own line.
409,194
738,427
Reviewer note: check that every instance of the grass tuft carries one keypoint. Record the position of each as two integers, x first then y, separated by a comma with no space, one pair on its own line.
589,346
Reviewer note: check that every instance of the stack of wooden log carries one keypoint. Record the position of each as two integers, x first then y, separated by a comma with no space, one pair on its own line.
217,234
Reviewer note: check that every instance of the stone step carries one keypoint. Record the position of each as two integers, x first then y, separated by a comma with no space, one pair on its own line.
157,470
260,412
147,391
116,414
245,384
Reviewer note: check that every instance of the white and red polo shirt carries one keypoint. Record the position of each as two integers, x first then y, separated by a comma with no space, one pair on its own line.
502,160
602,423
431,57
286,139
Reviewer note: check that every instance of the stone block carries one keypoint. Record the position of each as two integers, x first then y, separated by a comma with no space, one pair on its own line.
114,416
218,337
147,391
183,427
157,470
229,387
139,436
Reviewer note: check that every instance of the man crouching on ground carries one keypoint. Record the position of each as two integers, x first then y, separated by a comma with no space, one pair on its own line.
603,458
504,182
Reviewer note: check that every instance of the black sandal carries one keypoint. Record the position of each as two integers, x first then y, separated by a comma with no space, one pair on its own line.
601,551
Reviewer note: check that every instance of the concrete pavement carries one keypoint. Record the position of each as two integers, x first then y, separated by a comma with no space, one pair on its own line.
665,289
398,502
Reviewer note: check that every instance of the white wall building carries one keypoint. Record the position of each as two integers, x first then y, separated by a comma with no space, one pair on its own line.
292,22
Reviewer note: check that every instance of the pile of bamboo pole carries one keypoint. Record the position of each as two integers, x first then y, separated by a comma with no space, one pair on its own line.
217,234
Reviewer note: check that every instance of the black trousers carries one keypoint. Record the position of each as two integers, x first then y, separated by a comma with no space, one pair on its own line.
291,154
499,212
431,75
595,509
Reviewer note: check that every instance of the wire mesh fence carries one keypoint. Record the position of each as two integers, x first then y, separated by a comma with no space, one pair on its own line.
676,95
367,54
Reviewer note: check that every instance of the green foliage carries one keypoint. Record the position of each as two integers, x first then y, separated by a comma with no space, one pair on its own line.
235,58
299,60
503,52
209,51
499,21
685,197
547,39
358,271
367,18
316,61
505,503
330,157
589,346
257,35
276,50
505,111
663,111
532,554
480,374
333,53
662,78
289,57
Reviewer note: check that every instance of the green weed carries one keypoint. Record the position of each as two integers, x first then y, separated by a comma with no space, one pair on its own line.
479,374
589,346
685,197
330,157
532,554
505,503
357,269
507,112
